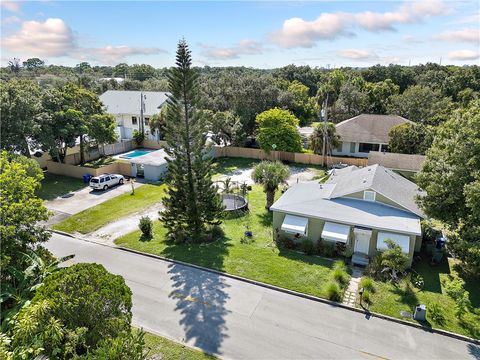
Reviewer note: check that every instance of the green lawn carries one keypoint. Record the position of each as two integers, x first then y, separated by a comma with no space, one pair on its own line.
390,299
54,186
259,260
92,219
165,349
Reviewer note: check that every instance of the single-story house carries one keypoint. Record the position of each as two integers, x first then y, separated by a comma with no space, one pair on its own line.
125,106
364,133
152,166
357,208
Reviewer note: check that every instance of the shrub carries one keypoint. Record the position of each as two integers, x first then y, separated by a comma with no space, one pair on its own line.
436,313
308,247
146,226
333,291
366,297
340,265
341,277
287,243
367,284
217,232
138,137
328,249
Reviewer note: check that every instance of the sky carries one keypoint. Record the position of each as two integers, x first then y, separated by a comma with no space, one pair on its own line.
243,33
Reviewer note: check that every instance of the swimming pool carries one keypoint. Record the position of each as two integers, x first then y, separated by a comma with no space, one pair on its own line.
135,153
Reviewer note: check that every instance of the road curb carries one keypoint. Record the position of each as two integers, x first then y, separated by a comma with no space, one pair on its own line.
305,296
63,233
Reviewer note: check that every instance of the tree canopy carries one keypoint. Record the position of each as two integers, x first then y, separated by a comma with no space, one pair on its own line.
277,130
192,203
451,179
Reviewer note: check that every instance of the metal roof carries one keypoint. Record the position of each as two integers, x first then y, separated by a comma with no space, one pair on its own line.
128,102
383,181
308,199
368,128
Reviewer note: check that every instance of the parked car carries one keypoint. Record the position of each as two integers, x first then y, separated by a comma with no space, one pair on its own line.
104,181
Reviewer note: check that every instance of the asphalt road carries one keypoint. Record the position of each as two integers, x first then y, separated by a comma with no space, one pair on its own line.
237,320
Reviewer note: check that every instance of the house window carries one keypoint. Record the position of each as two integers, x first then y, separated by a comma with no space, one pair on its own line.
369,195
134,120
366,148
339,147
352,147
147,119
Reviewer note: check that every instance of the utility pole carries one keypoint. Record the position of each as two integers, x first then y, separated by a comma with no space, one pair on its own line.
324,145
141,126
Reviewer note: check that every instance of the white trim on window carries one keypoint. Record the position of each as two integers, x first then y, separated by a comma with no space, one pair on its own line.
369,195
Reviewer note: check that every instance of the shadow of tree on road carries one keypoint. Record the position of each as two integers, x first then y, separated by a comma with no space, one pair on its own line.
201,299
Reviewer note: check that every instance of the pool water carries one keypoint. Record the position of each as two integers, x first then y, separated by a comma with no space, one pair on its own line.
136,153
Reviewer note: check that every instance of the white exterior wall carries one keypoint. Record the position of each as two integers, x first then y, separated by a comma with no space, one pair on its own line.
346,150
125,127
155,173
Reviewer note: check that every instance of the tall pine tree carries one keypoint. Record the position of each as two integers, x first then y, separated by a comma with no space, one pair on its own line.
193,203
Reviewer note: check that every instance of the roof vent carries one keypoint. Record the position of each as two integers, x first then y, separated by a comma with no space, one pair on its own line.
321,187
364,180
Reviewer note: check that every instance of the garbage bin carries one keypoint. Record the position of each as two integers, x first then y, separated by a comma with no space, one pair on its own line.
420,312
86,178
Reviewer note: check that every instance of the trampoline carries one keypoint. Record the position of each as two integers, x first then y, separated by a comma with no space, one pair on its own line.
233,202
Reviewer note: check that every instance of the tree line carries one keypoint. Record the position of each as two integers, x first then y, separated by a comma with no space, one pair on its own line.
234,96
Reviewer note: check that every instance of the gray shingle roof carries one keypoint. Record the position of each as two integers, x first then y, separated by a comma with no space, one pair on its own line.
311,199
128,102
384,181
396,161
368,128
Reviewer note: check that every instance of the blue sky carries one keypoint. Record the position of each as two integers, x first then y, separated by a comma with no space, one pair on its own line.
257,34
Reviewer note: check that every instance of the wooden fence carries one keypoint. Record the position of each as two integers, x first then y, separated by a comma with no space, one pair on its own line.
154,144
76,171
314,159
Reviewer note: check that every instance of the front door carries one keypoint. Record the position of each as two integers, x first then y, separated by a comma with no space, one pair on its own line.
140,170
362,242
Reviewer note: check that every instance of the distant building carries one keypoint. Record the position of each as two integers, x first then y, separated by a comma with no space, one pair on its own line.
125,107
364,133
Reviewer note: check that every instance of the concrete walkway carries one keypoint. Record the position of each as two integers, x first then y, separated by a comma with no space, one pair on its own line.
350,296
238,320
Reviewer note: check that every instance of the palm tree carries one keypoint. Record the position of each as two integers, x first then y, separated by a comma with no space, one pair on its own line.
326,129
270,174
157,122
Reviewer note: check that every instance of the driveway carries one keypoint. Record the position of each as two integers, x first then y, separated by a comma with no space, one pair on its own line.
85,198
297,174
238,320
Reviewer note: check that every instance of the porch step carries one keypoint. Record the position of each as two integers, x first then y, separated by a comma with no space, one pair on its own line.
360,259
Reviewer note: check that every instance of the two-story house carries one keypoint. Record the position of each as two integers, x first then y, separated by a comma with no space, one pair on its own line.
126,106
358,208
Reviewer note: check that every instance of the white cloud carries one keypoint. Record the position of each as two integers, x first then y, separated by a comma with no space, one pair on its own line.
54,38
10,20
12,6
50,38
297,32
464,55
244,47
356,54
465,35
114,54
